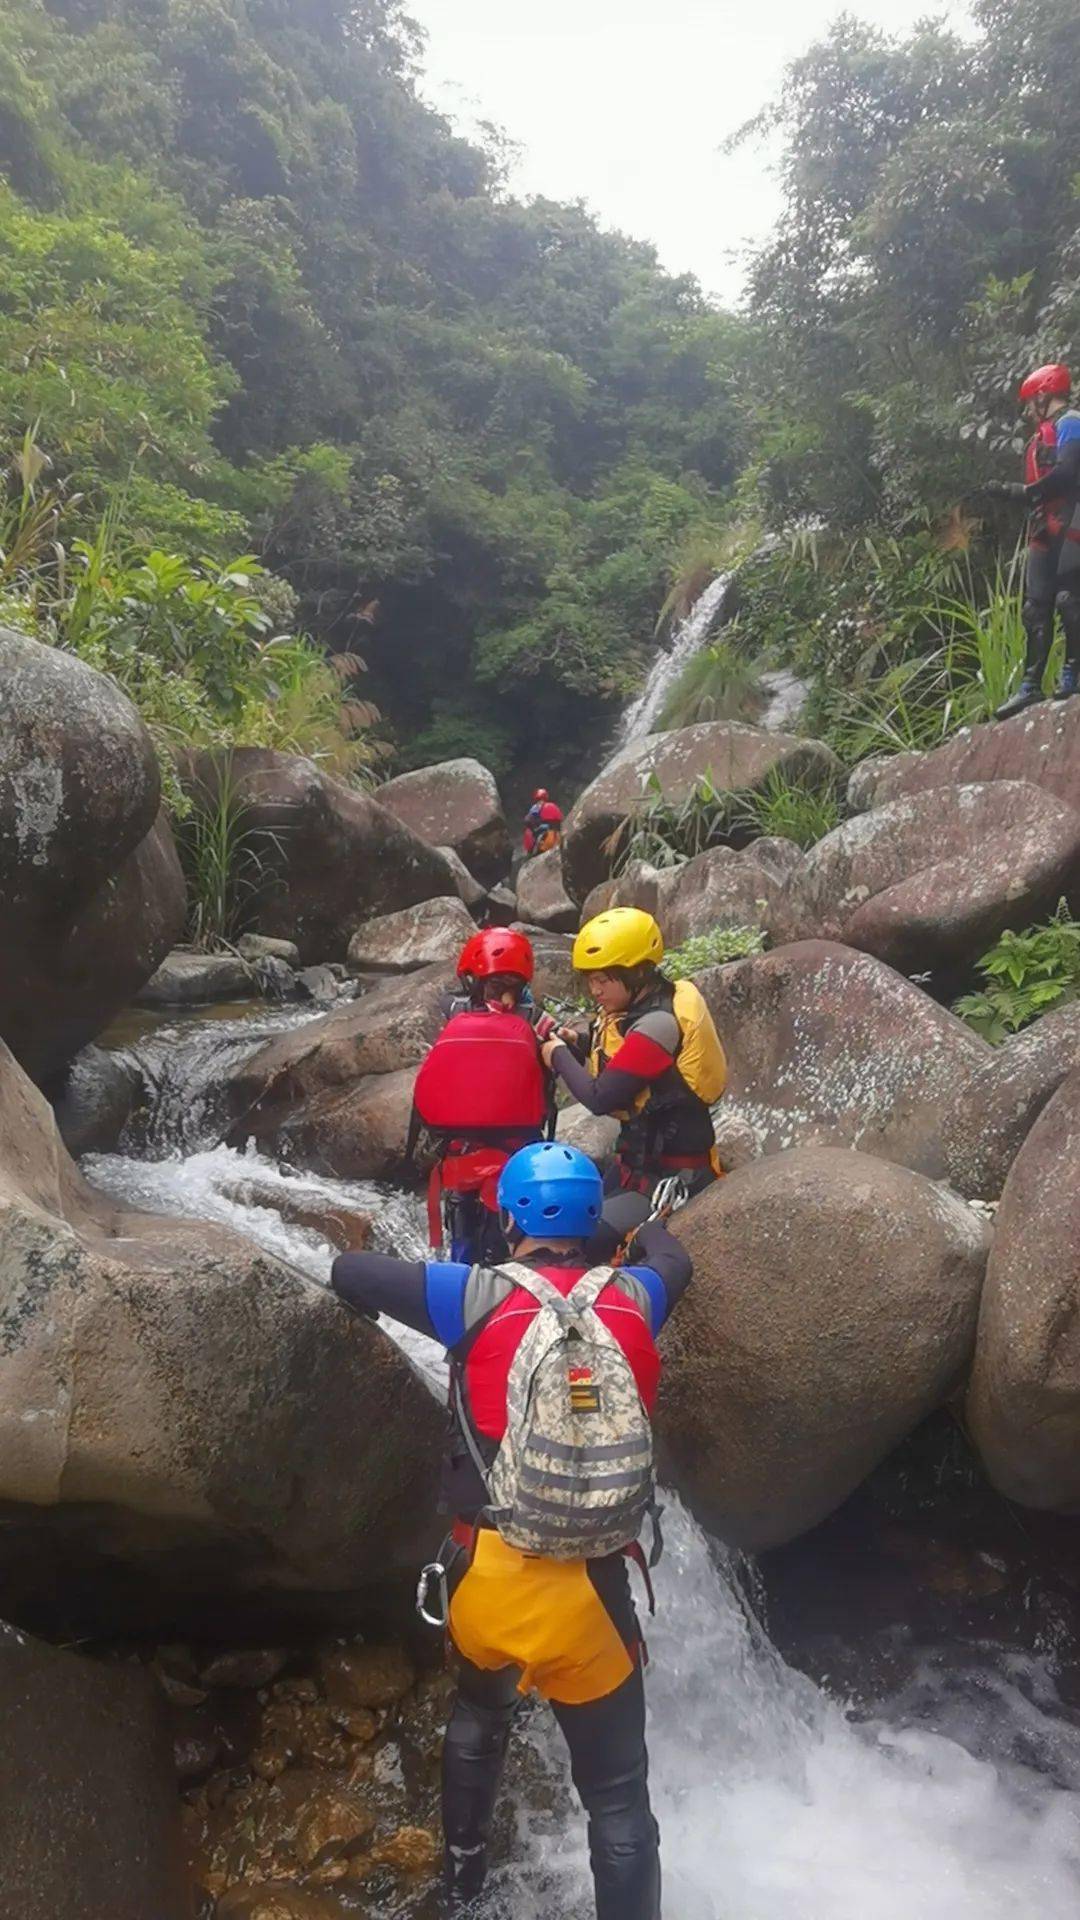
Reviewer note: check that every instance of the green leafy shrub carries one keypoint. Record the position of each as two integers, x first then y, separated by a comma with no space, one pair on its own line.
1027,974
713,949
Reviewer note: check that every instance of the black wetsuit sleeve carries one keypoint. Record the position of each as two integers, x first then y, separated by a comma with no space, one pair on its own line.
611,1092
374,1283
655,1247
1063,477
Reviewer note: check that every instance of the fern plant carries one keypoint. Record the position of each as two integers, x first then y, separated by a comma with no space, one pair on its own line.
1027,974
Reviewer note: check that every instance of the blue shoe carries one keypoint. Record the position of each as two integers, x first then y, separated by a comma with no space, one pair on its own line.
1067,685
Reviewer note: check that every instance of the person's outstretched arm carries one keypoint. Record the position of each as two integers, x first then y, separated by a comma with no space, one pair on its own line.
415,1292
647,1053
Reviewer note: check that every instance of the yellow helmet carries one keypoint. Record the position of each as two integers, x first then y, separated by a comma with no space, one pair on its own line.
621,937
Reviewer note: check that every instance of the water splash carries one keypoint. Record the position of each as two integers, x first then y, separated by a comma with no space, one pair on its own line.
642,714
776,1804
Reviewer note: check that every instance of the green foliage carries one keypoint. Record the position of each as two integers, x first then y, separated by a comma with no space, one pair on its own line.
719,683
224,861
713,949
786,809
1027,974
250,278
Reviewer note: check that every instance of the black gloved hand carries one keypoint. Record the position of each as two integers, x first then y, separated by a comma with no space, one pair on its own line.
622,1215
1004,490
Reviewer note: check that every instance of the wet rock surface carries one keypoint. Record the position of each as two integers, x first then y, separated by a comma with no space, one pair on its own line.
834,1305
329,1805
87,1792
207,1422
197,979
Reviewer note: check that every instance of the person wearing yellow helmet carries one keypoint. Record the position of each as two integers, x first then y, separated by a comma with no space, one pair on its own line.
654,1059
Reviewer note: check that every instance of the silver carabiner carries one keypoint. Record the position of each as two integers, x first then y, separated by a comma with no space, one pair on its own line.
434,1571
670,1194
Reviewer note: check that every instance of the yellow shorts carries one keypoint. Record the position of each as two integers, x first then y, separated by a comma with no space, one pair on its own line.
568,1625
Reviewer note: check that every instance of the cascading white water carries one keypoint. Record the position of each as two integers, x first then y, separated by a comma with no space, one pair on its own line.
642,714
775,1804
960,1802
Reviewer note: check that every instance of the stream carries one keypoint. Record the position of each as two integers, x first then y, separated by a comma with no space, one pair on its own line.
949,1790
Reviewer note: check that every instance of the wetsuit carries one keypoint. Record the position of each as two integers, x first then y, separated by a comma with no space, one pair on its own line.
564,1629
1052,491
666,1126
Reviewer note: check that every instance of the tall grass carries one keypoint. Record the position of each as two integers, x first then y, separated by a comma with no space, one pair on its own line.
719,683
785,809
919,700
664,833
226,860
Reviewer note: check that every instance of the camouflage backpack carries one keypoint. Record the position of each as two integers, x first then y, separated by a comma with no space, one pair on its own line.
573,1478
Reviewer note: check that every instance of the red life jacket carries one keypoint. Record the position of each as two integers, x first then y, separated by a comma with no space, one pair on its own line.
1040,455
483,1076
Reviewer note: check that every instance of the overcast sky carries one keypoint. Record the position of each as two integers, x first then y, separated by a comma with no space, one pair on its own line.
624,104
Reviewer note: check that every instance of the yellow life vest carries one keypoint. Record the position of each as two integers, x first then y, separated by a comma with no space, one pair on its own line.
700,1060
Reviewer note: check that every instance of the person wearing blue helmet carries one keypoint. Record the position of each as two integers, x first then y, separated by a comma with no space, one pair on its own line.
521,1622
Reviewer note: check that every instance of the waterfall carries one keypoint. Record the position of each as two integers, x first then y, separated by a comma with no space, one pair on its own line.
642,714
959,1800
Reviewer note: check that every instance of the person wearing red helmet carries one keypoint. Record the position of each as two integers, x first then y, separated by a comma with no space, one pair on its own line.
1051,491
543,824
482,1091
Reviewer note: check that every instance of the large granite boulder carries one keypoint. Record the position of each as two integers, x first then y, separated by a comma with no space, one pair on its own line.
183,1419
391,1027
88,1803
352,1133
329,857
928,883
426,935
542,900
199,979
723,888
732,757
833,1306
827,1046
1023,1407
91,894
1041,746
991,1113
454,804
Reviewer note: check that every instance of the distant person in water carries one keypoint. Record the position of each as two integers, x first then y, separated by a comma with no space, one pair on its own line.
543,824
1051,491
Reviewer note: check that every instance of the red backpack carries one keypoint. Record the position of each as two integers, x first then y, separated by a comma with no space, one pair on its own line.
483,1075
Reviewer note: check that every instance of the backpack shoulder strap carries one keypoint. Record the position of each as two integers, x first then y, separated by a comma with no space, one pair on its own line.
588,1289
532,1282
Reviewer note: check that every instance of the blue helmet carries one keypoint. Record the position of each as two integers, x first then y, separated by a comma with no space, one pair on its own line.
552,1190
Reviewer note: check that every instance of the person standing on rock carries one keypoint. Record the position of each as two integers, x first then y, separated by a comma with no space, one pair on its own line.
1051,490
654,1058
543,1618
482,1090
543,824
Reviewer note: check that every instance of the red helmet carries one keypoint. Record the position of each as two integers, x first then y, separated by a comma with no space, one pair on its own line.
1052,380
541,793
496,950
